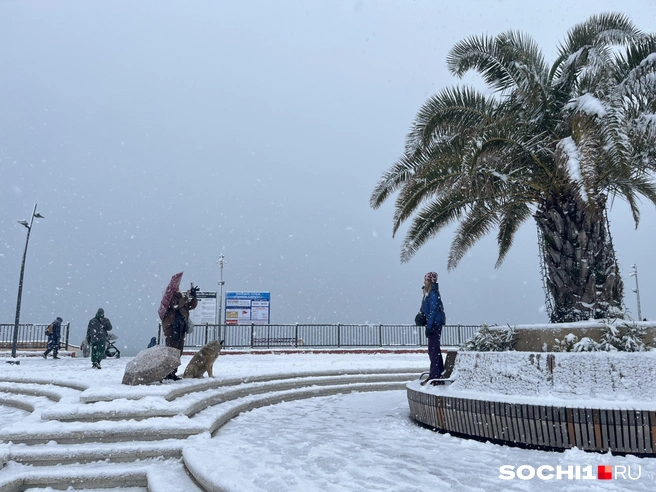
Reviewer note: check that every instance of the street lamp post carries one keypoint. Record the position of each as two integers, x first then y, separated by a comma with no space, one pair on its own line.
221,263
37,215
634,273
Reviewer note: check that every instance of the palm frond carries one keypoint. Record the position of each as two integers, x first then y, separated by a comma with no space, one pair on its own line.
453,111
477,224
587,44
601,29
392,179
514,214
503,61
435,215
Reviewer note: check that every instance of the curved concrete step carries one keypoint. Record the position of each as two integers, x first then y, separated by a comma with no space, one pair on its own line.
155,475
191,402
209,419
29,389
131,453
47,455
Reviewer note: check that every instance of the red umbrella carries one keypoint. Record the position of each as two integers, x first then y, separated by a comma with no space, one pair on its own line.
172,288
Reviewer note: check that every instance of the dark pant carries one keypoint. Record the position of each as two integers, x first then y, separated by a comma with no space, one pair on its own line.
97,352
435,353
174,342
53,344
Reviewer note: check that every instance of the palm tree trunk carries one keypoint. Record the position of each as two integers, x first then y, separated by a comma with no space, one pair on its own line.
582,276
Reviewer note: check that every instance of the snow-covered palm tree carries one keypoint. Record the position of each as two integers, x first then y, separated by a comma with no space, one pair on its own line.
554,143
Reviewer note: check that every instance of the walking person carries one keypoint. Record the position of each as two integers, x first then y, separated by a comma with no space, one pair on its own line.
54,334
433,309
175,323
97,336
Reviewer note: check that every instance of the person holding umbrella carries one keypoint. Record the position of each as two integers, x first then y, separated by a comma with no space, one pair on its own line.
175,321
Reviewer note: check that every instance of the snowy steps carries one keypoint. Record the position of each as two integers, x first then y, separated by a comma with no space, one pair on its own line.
189,402
155,427
190,414
156,475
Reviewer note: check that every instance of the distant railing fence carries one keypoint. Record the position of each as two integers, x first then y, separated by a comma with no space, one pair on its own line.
31,336
322,335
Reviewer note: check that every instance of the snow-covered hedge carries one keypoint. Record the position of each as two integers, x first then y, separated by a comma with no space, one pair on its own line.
486,340
614,338
608,376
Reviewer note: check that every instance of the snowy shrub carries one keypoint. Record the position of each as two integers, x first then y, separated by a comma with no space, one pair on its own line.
486,340
571,343
566,344
587,345
626,338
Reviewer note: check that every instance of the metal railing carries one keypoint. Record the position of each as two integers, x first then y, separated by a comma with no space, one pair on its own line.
322,335
31,336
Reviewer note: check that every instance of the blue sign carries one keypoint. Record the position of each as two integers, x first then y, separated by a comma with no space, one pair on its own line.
244,308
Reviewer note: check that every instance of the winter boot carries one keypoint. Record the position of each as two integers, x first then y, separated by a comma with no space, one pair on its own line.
54,355
45,354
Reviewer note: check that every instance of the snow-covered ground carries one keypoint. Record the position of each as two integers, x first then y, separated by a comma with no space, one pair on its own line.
359,441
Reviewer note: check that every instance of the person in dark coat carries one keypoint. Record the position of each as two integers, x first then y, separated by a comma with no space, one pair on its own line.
54,334
97,337
176,319
153,342
432,307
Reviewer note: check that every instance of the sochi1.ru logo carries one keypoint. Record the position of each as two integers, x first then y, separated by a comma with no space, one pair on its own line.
570,472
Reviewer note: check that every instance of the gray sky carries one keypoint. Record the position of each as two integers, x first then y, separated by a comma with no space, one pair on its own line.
156,135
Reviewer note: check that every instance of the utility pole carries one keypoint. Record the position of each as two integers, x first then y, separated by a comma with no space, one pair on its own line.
634,273
221,263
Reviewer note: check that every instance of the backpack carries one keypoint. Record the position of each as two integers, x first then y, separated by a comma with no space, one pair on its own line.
49,329
440,318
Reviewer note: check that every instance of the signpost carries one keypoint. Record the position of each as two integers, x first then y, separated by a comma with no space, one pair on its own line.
244,308
205,312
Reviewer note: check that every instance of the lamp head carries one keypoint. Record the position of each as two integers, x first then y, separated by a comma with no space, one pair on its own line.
39,216
24,222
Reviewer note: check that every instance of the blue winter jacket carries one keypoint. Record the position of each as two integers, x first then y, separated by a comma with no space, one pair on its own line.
430,307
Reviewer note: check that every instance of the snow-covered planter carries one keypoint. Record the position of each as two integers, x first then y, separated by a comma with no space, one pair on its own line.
597,401
608,376
629,335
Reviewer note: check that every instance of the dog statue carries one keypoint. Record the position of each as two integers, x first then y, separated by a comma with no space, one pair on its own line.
204,360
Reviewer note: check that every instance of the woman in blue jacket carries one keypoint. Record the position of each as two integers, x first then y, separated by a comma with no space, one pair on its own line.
433,309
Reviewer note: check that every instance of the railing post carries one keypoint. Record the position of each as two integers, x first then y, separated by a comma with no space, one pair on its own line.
380,335
252,335
159,333
207,328
296,335
268,336
68,331
339,335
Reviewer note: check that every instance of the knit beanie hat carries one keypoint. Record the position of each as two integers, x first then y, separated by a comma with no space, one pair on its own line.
432,276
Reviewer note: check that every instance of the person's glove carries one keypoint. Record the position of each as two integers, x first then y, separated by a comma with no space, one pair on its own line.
194,291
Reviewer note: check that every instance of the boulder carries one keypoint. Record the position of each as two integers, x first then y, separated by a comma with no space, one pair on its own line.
151,365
